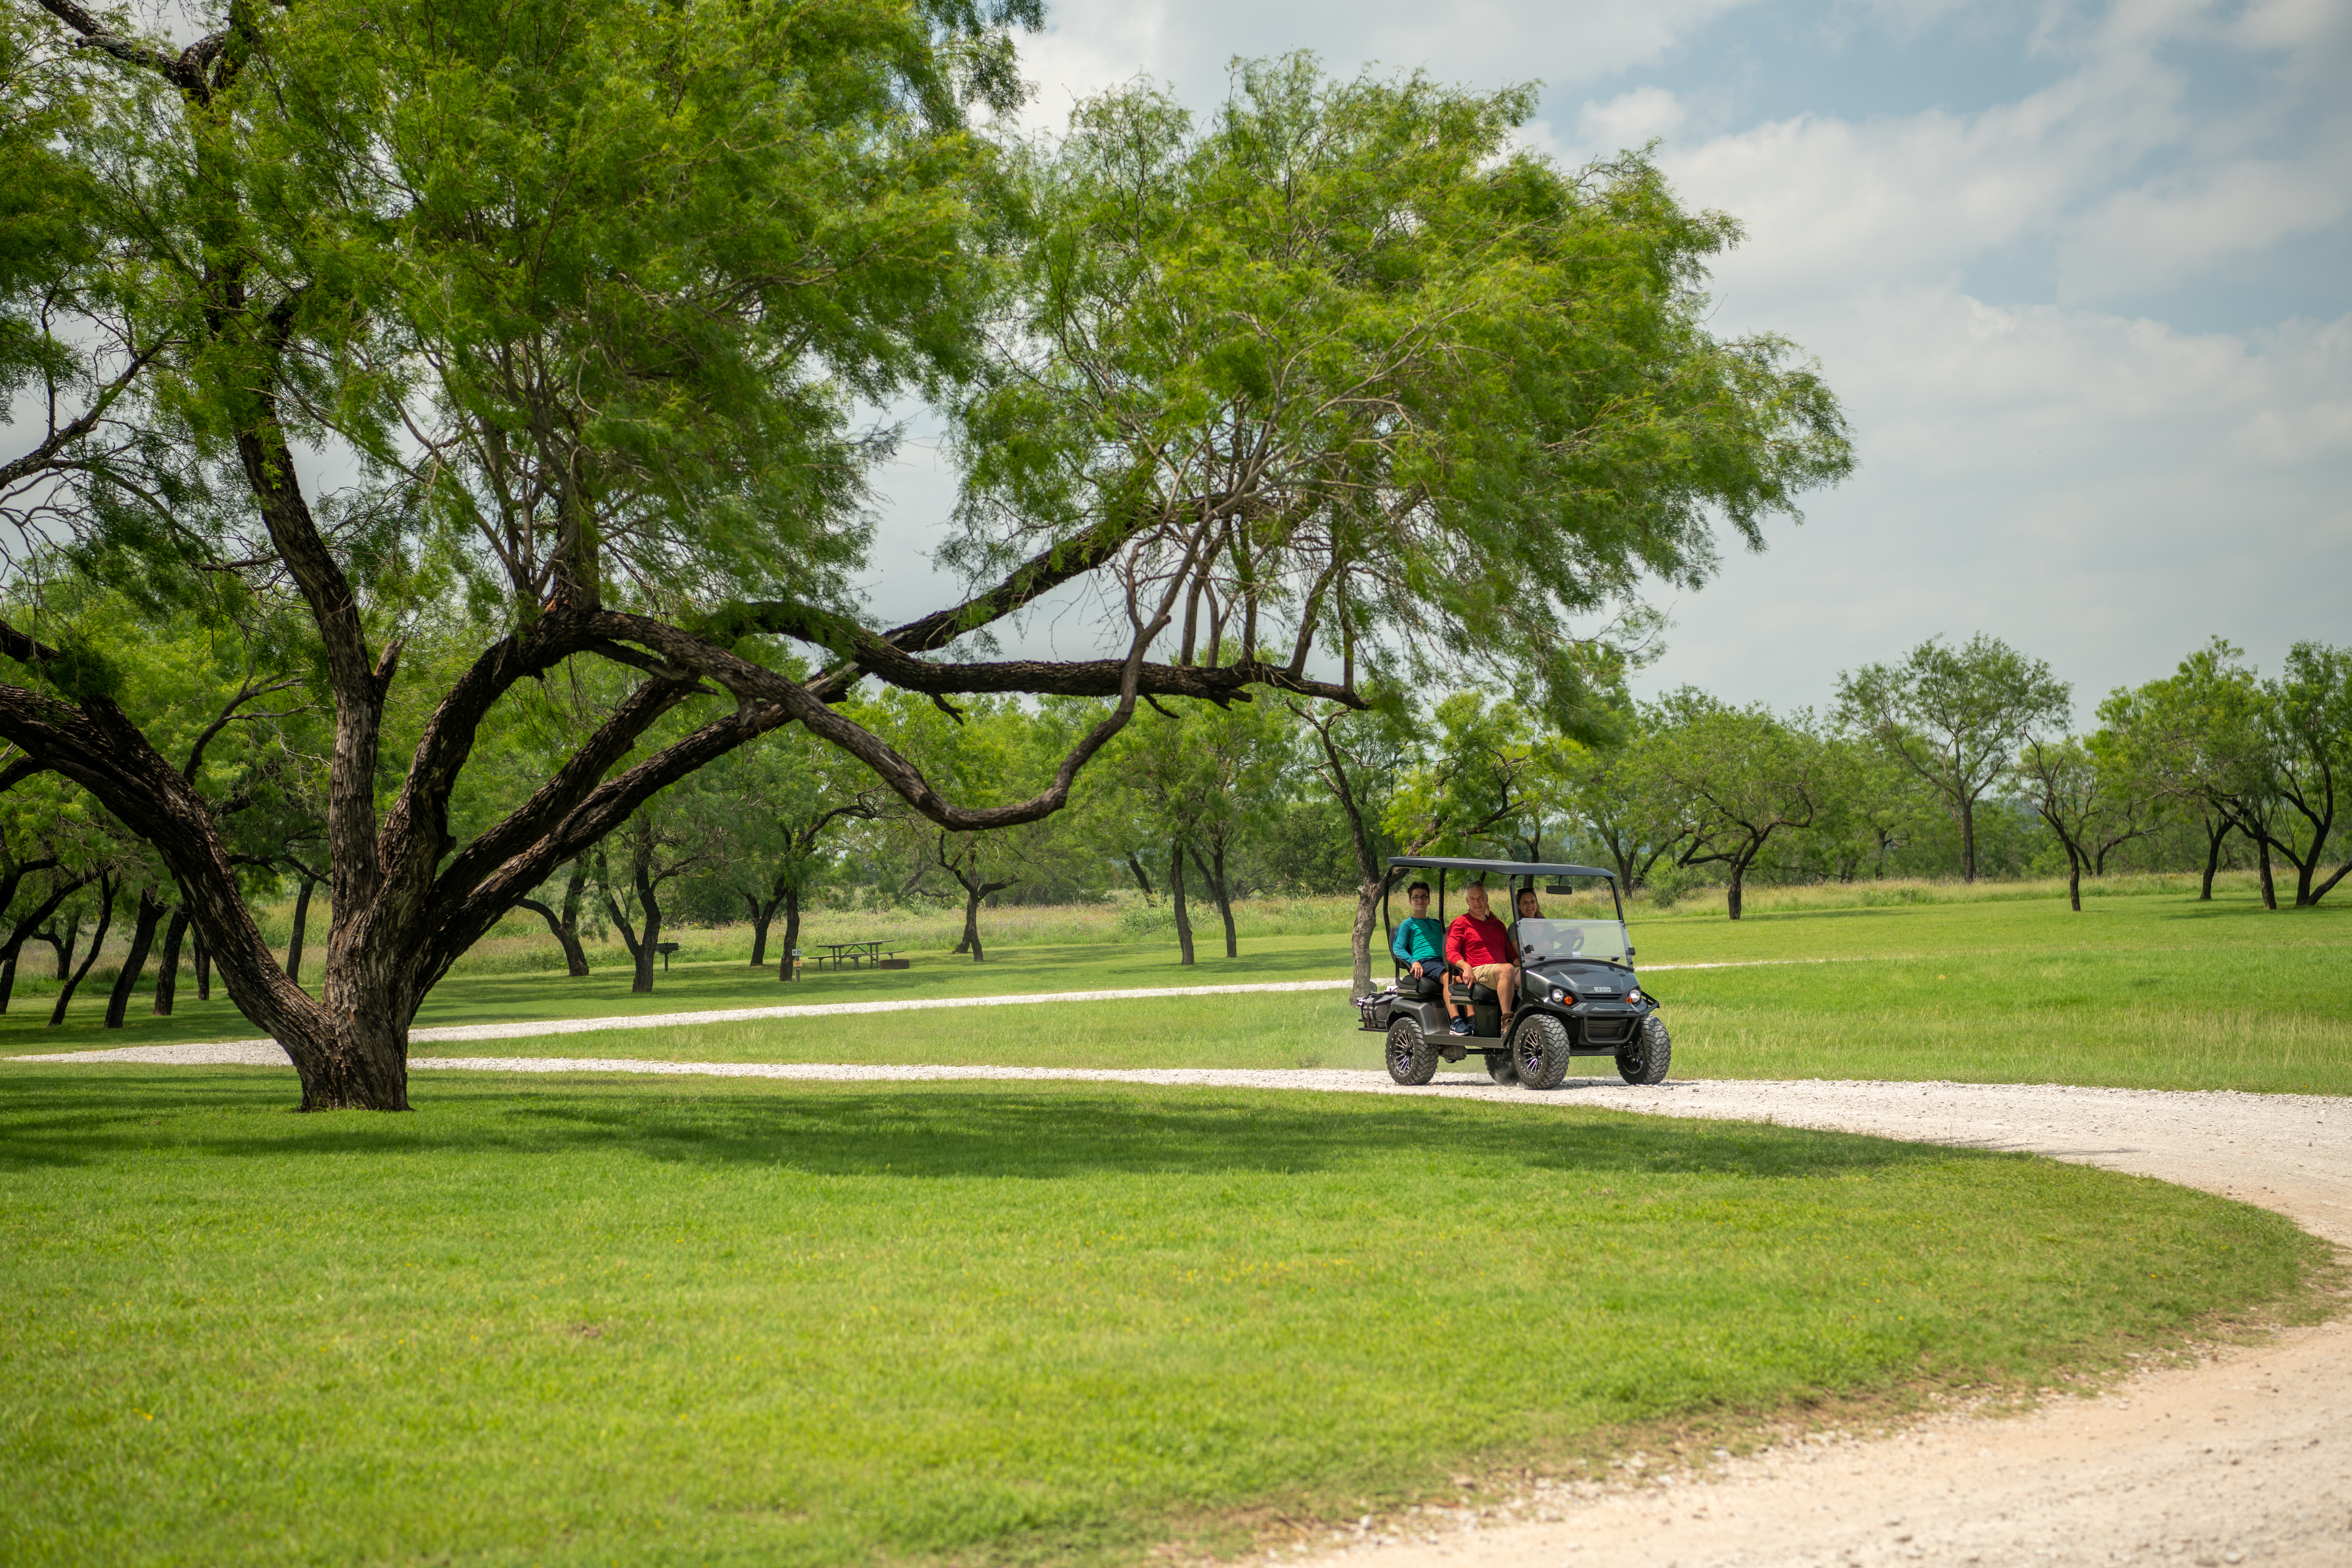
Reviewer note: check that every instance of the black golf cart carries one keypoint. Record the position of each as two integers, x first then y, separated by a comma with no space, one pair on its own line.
1577,997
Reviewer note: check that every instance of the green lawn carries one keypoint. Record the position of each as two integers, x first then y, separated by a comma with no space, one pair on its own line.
576,1321
2155,991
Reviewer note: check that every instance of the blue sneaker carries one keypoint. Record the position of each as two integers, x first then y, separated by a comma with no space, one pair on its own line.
1459,1027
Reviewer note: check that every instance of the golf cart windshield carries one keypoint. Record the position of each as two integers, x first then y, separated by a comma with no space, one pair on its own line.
1541,941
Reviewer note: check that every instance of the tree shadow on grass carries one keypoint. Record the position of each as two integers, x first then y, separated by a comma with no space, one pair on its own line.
911,1131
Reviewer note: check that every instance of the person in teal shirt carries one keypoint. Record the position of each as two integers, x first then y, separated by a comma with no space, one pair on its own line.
1420,943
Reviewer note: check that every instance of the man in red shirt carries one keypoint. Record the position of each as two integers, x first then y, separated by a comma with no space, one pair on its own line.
1480,946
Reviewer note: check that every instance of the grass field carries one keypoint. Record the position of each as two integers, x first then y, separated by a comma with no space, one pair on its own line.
2150,990
576,1321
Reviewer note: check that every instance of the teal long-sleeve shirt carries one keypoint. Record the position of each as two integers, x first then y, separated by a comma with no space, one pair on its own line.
1420,939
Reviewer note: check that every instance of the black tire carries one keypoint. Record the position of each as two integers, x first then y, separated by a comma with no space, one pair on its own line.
1502,1068
1412,1060
1539,1051
1645,1060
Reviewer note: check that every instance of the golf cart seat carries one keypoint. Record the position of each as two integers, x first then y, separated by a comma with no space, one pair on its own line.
1419,987
1474,992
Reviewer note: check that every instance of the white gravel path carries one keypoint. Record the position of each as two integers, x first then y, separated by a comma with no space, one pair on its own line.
2243,1457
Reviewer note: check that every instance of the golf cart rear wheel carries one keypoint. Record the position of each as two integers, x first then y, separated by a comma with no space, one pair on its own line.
1539,1051
1644,1061
1502,1068
1411,1059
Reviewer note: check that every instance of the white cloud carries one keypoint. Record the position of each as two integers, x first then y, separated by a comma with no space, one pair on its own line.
1832,203
2160,233
1089,44
2105,492
1630,118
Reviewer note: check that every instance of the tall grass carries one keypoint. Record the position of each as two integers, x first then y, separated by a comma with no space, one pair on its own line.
1766,899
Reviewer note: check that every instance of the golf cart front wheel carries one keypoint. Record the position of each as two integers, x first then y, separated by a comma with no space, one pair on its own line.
1645,1060
1412,1060
1539,1051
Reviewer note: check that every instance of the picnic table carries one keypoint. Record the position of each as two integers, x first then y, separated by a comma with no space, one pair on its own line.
853,954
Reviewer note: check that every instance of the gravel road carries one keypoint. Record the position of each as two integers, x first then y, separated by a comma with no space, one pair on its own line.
2245,1458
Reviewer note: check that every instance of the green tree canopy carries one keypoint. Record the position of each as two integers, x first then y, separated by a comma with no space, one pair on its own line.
1955,717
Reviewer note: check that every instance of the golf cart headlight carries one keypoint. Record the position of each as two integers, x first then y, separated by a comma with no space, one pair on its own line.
1558,995
1635,996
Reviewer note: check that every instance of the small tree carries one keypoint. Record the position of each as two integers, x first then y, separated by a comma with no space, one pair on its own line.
2063,779
1242,753
1955,717
565,924
2199,735
1735,775
994,749
1604,798
1357,755
662,842
2307,715
789,796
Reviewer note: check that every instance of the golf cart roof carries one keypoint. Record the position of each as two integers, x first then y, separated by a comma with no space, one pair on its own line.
1503,868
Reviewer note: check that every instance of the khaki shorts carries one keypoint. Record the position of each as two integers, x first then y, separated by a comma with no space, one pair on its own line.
1488,974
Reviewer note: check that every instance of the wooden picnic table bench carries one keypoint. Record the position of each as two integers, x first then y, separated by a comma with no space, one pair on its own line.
856,954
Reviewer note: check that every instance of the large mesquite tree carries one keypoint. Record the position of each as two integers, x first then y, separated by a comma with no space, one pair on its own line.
574,301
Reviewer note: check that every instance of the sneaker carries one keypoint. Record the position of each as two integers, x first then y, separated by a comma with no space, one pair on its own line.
1458,1027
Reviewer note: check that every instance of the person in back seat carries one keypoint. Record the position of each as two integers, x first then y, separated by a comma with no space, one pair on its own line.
1420,944
1479,947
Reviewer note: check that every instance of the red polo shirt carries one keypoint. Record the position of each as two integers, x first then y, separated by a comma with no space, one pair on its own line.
1472,942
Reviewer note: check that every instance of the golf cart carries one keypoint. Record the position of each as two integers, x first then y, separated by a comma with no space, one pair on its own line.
1577,997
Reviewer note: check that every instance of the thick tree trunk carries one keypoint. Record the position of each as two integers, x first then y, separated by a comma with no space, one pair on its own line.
143,938
1968,841
2303,872
1213,871
971,926
640,950
7,977
203,969
641,866
566,929
641,982
566,925
1359,938
98,940
575,886
760,915
65,945
2074,880
792,898
1176,898
363,1063
301,923
167,969
971,921
1732,892
2262,863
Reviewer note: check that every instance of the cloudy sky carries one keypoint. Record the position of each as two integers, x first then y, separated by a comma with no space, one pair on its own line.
2082,273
